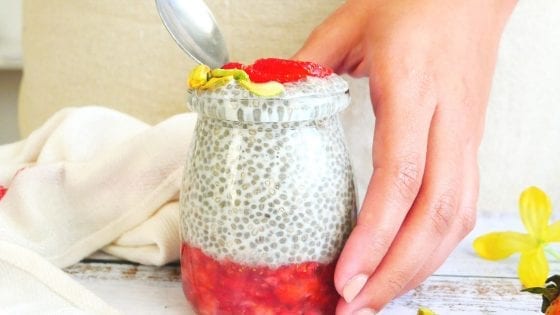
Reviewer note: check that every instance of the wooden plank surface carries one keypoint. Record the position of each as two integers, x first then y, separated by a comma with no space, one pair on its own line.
465,284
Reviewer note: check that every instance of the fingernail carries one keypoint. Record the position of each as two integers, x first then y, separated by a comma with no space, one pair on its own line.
353,287
365,311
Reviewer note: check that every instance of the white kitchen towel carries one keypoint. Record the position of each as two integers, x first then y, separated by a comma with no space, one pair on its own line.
29,284
89,179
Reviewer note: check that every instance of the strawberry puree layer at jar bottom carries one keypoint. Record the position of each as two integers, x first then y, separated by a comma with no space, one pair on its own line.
224,287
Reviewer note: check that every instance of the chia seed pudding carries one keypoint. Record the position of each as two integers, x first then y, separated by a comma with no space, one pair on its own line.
268,185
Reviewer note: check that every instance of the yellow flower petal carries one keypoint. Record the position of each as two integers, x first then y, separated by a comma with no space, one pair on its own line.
535,210
533,268
215,83
267,89
552,233
425,311
199,76
500,245
237,74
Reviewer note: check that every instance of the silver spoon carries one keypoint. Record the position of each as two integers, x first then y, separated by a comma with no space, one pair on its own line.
193,27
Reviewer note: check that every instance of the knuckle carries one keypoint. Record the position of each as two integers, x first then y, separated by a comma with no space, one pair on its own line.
408,179
467,219
379,243
405,74
376,243
396,281
443,212
425,87
421,86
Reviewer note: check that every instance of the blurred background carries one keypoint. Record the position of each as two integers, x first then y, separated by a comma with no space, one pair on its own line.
10,68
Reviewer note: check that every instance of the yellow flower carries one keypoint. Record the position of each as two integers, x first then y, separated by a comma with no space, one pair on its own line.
425,311
215,83
237,74
203,78
199,76
535,210
267,89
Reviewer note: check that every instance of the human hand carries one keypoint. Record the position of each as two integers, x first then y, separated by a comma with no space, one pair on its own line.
430,64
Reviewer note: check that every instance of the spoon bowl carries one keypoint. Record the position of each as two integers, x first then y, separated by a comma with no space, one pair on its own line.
193,27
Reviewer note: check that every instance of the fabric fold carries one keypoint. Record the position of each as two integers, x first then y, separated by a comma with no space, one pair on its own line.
31,285
91,178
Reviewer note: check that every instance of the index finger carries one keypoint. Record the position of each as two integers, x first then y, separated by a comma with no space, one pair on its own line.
403,116
333,40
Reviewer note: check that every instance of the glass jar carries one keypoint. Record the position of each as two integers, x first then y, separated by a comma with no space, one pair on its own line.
267,200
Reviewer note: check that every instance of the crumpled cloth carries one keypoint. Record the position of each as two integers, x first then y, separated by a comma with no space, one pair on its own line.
89,179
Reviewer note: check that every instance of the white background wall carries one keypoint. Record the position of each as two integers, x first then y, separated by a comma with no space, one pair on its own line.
9,83
10,68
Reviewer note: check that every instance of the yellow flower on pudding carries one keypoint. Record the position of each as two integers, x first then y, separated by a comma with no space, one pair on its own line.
267,89
535,210
215,83
204,78
199,76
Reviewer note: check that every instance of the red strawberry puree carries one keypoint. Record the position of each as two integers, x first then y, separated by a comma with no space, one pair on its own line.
224,287
281,70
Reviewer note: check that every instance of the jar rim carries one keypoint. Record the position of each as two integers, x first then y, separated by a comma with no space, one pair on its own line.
311,100
262,110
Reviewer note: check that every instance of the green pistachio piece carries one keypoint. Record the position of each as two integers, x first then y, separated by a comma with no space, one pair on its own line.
237,74
267,89
199,76
215,83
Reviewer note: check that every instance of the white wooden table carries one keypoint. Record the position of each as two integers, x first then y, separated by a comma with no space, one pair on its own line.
465,284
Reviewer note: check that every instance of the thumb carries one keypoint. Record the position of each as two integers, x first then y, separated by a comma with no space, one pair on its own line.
333,41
